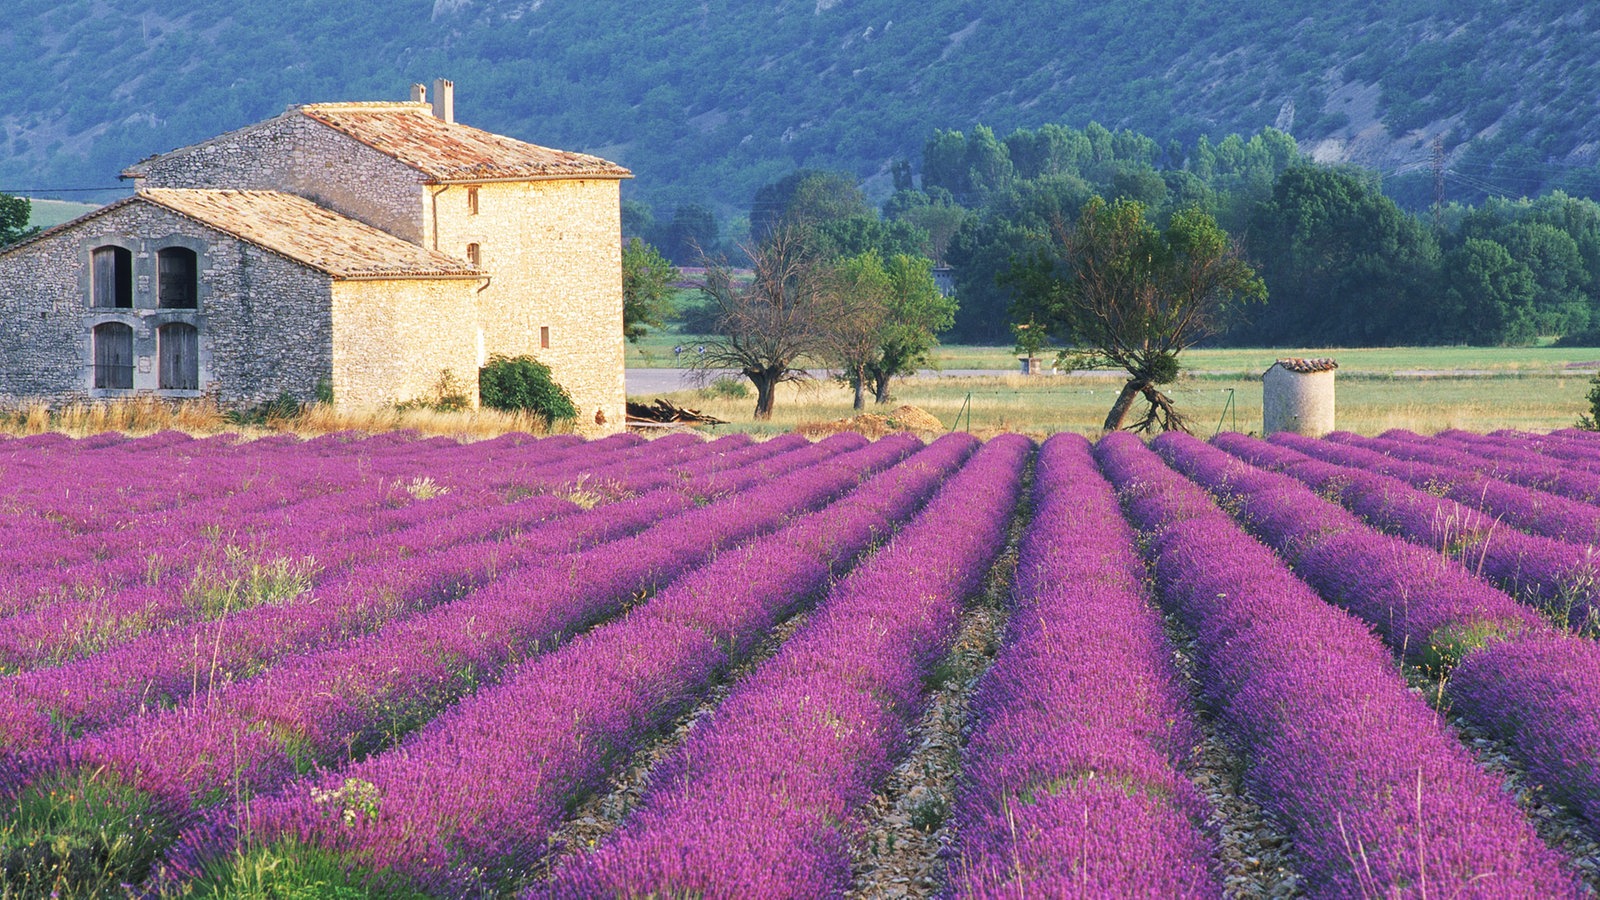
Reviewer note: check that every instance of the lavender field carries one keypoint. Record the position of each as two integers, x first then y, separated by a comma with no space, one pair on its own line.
548,668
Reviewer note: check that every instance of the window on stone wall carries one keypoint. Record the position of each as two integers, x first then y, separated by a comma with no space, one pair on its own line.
179,347
472,201
113,356
111,278
474,255
179,285
544,337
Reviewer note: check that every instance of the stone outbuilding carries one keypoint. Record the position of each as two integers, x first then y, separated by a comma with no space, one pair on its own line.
359,248
1298,396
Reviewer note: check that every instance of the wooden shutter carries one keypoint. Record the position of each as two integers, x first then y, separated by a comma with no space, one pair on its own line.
179,348
111,278
113,356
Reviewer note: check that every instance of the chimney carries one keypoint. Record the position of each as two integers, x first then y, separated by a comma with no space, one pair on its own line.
419,93
444,99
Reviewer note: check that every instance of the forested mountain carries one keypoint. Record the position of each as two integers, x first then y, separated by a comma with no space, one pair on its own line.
709,101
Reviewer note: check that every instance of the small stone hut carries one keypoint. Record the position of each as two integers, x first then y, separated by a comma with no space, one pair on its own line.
1297,396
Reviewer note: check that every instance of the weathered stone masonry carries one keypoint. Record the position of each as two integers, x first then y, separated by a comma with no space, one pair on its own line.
264,321
425,248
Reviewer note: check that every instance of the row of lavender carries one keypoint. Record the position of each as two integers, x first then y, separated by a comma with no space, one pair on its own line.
1534,683
1079,791
313,706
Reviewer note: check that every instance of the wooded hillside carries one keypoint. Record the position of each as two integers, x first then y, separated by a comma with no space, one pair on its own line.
708,103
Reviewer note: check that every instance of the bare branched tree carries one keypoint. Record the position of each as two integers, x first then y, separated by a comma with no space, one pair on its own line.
773,323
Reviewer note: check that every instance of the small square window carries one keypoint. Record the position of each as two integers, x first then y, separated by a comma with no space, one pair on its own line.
544,337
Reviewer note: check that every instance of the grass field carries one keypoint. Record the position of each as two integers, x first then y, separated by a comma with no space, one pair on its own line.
1042,405
49,213
1425,389
655,351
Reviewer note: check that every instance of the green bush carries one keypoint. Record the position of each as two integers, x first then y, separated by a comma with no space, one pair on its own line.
524,383
725,387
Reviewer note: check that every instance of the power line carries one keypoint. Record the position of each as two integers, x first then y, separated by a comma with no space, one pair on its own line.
68,190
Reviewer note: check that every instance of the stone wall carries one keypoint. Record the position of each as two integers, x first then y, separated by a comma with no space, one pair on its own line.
294,154
393,339
554,255
263,321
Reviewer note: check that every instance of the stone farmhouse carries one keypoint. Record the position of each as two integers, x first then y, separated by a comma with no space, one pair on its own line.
362,248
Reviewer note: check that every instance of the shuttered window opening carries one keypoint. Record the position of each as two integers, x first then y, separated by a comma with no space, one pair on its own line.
475,255
179,347
472,201
544,338
113,356
179,286
111,278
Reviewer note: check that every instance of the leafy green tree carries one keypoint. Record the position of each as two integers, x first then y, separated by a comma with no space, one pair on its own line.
14,215
1561,283
691,235
888,315
1345,265
1118,291
1015,225
805,197
647,280
1489,297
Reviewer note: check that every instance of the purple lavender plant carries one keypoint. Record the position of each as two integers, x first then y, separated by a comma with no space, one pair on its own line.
1080,793
755,803
1378,796
470,800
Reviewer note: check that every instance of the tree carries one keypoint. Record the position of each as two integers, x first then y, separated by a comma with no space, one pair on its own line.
1118,291
14,215
886,317
1347,267
692,233
646,288
769,325
1489,297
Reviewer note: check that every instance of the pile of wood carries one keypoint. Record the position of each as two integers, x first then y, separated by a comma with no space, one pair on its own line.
664,412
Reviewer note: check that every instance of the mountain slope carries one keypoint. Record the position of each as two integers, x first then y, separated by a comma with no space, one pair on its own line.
706,102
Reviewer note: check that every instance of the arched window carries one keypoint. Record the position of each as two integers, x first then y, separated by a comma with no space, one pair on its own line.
113,356
179,287
111,278
178,345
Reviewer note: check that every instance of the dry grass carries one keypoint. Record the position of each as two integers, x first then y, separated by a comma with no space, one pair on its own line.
986,406
148,415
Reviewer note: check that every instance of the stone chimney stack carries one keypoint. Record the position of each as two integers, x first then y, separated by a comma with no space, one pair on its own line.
419,93
444,99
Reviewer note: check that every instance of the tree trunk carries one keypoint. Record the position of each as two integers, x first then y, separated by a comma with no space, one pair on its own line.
859,383
1119,410
766,388
880,388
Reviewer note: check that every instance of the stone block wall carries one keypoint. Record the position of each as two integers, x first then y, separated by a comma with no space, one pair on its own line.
296,155
553,250
263,321
393,338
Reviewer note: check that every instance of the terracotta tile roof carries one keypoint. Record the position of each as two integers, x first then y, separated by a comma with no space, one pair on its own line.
309,234
1305,366
448,151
